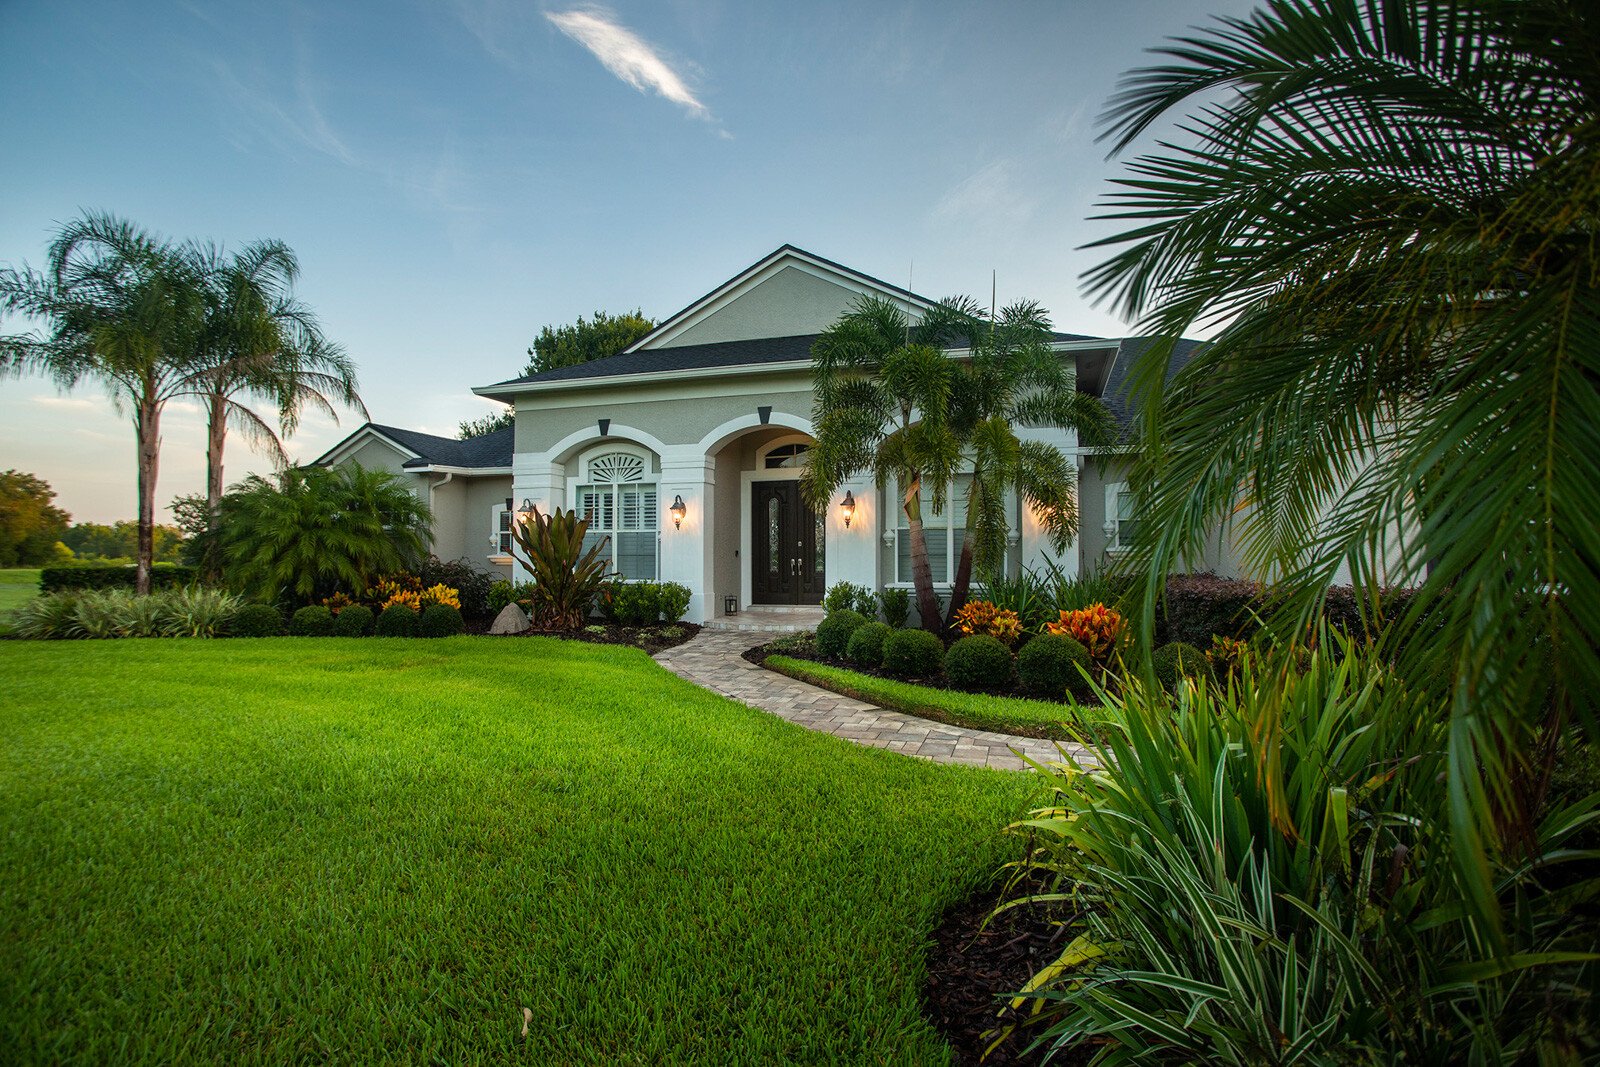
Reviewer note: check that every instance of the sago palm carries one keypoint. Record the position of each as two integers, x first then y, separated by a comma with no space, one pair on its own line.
1388,210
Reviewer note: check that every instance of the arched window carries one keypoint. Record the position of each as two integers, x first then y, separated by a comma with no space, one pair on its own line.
619,503
786,456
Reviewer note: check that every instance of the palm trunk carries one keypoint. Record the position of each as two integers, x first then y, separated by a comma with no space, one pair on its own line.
963,583
921,572
147,430
216,437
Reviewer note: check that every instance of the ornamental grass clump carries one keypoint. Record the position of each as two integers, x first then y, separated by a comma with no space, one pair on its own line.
978,663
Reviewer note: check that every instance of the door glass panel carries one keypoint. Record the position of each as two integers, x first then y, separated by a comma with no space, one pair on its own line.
774,534
820,534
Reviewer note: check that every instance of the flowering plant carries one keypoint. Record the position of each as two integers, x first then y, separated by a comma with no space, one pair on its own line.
982,617
1096,627
440,594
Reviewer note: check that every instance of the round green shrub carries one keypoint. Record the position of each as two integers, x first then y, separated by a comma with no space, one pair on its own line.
257,620
912,653
833,632
865,647
1048,665
1178,660
978,661
354,621
440,620
397,620
313,621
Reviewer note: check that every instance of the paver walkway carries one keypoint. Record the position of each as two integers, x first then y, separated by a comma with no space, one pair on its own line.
713,660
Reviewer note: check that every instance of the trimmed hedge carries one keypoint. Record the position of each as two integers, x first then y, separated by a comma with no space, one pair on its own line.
257,620
1198,607
978,661
1178,660
865,647
397,620
162,576
835,631
440,620
1048,665
354,621
312,621
913,653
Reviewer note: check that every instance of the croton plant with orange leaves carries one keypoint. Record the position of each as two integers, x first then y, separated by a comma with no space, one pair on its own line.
1096,627
982,617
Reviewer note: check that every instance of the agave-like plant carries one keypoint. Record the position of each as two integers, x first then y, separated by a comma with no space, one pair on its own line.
48,617
566,578
199,612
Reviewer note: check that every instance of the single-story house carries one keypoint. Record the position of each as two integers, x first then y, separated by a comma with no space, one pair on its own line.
712,411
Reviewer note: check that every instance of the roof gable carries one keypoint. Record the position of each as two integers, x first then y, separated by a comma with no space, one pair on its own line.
424,450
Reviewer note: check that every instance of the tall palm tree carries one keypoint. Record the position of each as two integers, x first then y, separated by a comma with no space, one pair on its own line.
123,308
1388,209
261,343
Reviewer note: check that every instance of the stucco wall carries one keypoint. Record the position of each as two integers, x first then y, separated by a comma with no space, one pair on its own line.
790,302
674,414
1219,554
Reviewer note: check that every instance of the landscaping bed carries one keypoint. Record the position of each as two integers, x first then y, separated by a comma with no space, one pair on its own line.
652,639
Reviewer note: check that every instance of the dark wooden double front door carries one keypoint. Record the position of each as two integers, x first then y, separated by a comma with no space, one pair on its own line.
786,546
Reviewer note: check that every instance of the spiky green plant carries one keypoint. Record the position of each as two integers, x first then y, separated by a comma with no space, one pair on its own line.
566,578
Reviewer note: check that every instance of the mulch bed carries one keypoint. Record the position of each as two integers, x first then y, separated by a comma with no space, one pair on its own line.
971,965
649,638
759,654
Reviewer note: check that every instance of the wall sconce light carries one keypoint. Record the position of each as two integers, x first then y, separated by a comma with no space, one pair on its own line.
677,511
525,512
847,507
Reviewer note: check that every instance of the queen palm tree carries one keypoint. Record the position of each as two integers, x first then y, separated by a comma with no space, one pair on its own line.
123,308
1388,209
260,343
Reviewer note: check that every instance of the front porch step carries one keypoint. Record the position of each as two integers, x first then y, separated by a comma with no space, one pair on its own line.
769,619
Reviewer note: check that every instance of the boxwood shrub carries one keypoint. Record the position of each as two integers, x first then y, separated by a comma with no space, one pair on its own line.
257,620
397,620
1178,660
440,620
913,653
977,662
162,576
865,647
354,621
313,621
833,632
1048,665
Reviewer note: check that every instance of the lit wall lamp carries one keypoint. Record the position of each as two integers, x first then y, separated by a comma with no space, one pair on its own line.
677,511
847,507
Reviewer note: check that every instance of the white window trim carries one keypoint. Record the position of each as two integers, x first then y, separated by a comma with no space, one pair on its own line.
779,442
1112,527
651,477
498,551
898,515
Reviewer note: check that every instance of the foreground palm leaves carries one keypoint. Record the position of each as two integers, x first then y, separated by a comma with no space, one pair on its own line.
566,578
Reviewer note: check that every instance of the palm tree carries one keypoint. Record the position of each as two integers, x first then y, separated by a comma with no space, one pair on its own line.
1388,210
262,343
123,308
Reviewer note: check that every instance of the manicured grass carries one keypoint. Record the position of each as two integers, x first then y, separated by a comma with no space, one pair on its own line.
1010,715
18,585
359,850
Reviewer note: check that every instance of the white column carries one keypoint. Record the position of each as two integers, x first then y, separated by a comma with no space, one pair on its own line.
686,552
852,554
543,484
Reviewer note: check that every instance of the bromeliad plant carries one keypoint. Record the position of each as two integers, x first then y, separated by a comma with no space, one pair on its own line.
566,578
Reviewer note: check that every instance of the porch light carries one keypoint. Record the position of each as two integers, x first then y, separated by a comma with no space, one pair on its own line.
847,507
677,511
730,605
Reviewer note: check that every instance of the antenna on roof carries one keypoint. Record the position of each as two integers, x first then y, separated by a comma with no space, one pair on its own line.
994,287
911,269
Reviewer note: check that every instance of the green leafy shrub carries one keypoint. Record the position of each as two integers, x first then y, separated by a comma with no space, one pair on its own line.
312,621
802,644
1178,660
471,584
397,620
596,629
833,632
503,592
440,620
46,618
846,596
116,612
865,647
162,576
355,621
978,662
913,653
673,600
567,578
672,633
636,603
258,620
1048,665
896,604
1028,596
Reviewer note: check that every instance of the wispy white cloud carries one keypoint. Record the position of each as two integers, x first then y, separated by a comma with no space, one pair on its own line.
627,55
68,403
994,194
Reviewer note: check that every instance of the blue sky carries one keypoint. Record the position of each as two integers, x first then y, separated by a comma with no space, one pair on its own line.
455,175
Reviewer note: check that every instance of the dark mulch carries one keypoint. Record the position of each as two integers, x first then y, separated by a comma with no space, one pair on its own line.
759,654
971,968
652,639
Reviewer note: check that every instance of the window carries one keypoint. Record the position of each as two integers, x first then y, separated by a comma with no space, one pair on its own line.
945,534
786,457
1122,522
620,504
503,517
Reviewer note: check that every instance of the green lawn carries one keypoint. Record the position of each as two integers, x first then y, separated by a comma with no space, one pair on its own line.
275,850
1010,715
18,585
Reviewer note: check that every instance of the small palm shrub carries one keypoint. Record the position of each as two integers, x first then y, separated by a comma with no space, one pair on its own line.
397,620
1048,665
566,577
673,600
913,653
896,604
311,621
847,596
1177,660
440,620
833,632
258,620
865,647
354,621
983,617
978,662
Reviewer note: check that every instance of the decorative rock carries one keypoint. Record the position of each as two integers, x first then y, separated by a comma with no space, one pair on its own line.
511,620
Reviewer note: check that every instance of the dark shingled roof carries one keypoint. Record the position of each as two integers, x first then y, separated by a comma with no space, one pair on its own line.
488,450
1129,349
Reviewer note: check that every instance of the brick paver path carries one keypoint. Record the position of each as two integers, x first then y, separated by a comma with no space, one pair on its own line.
713,660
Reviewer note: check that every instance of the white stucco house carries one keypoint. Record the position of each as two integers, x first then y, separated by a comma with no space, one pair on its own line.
713,409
